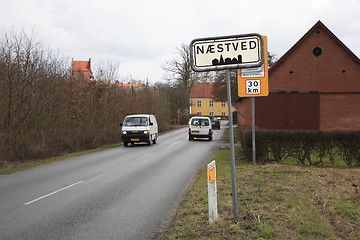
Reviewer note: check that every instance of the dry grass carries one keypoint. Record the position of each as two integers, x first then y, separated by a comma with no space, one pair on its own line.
276,201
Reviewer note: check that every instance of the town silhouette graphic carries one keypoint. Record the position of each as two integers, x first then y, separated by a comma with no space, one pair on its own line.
227,61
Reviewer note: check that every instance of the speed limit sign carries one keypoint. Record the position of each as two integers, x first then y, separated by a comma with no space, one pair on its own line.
253,82
253,87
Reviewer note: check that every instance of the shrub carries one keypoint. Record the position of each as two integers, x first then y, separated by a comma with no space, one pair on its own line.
306,147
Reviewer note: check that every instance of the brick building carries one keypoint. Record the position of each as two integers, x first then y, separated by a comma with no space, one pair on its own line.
81,70
314,86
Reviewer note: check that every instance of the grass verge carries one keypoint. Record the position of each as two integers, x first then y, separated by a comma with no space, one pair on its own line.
276,201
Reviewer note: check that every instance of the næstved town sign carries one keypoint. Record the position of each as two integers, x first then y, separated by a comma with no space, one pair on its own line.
230,52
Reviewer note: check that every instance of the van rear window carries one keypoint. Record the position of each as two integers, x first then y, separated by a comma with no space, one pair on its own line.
200,122
136,121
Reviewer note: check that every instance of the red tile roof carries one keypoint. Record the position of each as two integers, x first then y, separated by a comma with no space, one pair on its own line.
202,90
83,66
125,85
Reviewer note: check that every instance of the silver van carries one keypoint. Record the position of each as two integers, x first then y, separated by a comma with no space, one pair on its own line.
139,128
200,127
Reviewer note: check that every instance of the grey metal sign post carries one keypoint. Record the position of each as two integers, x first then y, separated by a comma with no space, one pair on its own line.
253,130
232,148
225,53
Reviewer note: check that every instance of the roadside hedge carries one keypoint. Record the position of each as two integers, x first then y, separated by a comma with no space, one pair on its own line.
306,147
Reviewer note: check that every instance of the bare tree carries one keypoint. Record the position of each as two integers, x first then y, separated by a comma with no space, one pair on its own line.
181,78
271,59
107,73
45,112
179,69
220,86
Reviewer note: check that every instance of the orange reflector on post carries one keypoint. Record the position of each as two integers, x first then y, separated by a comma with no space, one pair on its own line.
211,174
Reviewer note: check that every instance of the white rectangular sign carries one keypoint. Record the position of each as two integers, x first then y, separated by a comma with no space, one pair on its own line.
253,87
240,51
253,72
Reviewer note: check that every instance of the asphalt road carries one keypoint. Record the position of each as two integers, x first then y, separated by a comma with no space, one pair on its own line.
119,193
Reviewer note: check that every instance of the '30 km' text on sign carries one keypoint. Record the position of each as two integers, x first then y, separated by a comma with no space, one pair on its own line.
253,87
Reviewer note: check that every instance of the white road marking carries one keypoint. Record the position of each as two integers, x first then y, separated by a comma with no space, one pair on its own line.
144,156
174,143
52,193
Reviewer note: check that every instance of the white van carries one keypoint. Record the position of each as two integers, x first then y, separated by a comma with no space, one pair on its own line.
139,128
200,127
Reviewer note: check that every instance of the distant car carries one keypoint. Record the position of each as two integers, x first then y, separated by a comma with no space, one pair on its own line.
200,127
215,122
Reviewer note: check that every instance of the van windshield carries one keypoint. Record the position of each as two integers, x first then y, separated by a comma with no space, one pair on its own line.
136,121
200,122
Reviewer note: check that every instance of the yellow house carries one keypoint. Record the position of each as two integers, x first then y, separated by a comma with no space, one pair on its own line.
203,102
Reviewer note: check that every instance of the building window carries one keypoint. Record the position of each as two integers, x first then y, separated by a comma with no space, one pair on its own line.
317,51
198,103
211,103
198,113
211,113
222,104
222,113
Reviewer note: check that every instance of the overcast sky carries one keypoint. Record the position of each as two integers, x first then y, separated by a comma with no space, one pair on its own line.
141,35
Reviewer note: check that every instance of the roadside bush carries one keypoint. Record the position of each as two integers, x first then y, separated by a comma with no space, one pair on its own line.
306,147
46,112
276,144
301,146
262,150
349,147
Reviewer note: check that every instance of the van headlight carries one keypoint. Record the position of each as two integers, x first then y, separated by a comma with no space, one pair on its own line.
124,132
146,132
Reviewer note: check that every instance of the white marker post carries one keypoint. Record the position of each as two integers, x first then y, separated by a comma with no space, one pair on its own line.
212,193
